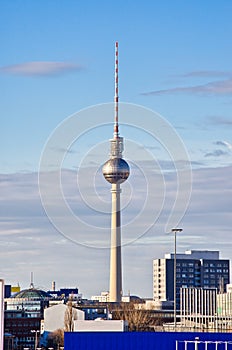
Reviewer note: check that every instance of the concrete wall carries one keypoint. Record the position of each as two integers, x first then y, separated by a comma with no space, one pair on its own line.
100,326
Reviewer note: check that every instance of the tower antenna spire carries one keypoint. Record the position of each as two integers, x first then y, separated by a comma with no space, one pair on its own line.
116,131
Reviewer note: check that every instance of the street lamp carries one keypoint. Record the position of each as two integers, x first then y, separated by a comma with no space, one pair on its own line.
36,337
175,230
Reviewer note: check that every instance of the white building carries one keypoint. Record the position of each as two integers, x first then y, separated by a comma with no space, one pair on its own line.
103,298
54,317
99,325
224,302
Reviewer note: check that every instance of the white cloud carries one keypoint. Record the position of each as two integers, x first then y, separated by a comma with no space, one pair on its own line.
206,74
216,153
224,144
28,241
40,68
220,87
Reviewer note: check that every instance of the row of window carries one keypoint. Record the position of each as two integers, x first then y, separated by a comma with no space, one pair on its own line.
23,324
212,281
185,270
26,339
216,270
190,275
215,276
190,264
216,265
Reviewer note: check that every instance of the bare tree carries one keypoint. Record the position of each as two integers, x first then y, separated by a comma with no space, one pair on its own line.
56,339
69,316
138,319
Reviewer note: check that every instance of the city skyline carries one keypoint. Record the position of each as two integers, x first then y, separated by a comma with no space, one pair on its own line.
57,60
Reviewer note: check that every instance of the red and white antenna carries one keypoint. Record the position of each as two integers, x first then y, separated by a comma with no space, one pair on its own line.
116,131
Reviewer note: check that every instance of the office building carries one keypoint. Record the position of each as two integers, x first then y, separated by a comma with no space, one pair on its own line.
23,314
201,269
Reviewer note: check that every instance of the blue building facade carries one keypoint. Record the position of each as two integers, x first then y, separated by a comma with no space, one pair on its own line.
145,340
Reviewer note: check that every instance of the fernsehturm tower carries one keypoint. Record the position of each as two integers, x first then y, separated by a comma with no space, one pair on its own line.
116,171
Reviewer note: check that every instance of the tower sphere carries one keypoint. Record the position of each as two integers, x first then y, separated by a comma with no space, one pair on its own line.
116,170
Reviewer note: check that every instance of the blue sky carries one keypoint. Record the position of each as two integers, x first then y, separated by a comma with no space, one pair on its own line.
57,57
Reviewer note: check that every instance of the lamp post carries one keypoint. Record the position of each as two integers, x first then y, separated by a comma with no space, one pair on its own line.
175,230
36,337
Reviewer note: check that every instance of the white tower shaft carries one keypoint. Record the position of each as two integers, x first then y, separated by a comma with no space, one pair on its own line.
115,253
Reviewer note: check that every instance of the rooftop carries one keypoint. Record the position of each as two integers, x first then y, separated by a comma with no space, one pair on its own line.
196,254
32,294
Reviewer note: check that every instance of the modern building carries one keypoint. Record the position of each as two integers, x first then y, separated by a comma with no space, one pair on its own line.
23,315
194,268
94,309
54,319
224,302
198,308
65,294
204,310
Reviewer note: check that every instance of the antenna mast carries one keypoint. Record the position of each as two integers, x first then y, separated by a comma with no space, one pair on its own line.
32,283
116,132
